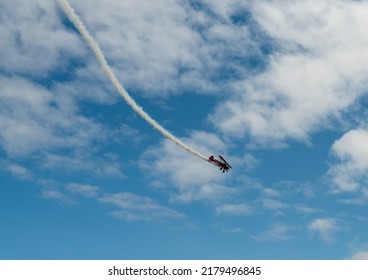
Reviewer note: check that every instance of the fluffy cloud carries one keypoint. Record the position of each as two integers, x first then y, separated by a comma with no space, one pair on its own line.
41,118
48,70
33,118
352,148
33,38
313,77
349,171
324,227
188,178
164,45
37,114
162,48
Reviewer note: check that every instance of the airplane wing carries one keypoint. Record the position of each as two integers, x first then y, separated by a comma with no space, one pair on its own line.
225,161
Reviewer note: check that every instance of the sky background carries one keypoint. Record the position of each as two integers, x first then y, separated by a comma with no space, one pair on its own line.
279,88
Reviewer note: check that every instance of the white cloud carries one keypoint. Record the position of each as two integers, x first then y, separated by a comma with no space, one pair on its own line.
125,205
240,209
52,192
132,207
352,147
361,199
84,190
236,230
104,166
225,9
166,45
270,192
274,204
186,177
362,255
301,208
33,39
17,170
315,75
153,45
325,228
250,161
278,232
33,119
160,48
349,172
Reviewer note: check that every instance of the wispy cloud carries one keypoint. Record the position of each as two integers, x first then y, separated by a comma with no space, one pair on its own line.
240,209
17,170
132,207
273,204
325,228
278,232
83,190
362,255
304,209
250,162
105,166
124,205
54,193
235,230
268,192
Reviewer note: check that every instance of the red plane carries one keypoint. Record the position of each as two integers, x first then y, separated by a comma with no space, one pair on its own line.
221,162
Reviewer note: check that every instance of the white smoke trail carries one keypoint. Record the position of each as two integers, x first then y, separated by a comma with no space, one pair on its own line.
110,74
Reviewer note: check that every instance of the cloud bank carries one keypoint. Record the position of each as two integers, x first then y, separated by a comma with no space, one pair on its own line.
313,77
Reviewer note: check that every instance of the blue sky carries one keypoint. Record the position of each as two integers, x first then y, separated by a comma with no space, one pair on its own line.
279,88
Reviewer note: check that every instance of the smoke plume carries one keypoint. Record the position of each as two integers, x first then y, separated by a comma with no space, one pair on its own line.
110,74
